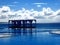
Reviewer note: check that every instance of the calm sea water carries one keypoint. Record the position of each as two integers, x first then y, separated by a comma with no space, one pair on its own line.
40,35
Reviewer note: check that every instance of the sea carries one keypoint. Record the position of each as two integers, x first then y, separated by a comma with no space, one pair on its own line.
41,35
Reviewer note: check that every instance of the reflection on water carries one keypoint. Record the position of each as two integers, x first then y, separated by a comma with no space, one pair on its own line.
24,31
16,31
29,37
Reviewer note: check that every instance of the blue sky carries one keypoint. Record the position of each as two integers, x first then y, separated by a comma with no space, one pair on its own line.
28,4
43,10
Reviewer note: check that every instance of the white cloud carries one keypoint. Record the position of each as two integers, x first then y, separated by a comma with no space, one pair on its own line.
11,5
39,3
57,18
57,12
15,2
47,15
3,11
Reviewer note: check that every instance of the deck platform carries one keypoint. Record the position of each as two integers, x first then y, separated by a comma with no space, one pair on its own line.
22,23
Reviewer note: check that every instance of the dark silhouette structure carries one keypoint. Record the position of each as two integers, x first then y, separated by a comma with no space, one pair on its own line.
22,23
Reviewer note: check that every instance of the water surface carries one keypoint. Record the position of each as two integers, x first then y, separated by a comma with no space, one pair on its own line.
39,36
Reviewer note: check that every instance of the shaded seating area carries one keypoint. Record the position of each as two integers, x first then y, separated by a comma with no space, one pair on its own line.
22,23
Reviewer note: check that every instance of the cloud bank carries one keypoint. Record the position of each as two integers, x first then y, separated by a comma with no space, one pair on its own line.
46,15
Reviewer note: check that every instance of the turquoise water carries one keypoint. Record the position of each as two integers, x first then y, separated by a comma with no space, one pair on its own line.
39,36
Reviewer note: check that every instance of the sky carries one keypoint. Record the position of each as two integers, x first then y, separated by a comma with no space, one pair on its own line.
44,11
